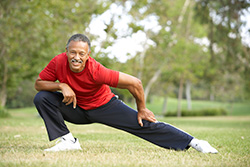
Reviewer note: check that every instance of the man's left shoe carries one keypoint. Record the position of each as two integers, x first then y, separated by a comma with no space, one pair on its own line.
204,147
65,145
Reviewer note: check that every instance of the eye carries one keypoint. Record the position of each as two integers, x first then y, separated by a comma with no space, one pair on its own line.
82,54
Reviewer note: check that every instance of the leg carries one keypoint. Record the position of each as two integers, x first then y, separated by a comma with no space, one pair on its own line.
54,112
116,114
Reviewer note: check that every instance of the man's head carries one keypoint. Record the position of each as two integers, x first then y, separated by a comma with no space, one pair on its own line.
78,50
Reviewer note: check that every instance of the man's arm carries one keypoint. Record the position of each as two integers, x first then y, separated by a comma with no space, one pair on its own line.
68,93
135,87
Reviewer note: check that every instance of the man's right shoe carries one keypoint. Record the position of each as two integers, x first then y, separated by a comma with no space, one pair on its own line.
65,145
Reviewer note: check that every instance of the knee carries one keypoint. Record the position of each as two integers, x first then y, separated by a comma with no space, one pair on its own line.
154,125
40,97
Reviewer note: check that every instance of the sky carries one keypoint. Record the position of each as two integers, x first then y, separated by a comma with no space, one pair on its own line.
127,47
245,34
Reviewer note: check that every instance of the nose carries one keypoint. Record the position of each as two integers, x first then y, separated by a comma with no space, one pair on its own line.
77,57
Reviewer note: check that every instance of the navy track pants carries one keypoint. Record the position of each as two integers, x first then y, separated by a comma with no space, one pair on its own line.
115,114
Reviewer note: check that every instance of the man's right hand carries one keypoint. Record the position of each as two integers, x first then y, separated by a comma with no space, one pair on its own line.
68,94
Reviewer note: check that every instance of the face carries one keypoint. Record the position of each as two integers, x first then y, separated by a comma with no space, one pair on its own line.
78,54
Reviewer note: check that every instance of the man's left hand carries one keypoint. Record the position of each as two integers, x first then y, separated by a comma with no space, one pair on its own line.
145,114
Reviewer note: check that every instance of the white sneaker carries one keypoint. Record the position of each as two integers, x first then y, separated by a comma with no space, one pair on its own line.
65,145
204,147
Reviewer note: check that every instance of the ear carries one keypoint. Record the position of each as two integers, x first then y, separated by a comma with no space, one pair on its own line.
66,51
89,53
88,57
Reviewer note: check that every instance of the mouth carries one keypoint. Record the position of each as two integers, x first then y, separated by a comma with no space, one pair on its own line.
76,61
76,65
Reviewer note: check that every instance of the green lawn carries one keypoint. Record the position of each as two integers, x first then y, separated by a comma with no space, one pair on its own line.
23,138
234,109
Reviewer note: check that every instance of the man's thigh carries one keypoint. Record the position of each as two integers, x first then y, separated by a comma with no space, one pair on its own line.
53,102
115,114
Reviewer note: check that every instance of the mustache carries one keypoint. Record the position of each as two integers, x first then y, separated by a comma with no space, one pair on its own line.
76,61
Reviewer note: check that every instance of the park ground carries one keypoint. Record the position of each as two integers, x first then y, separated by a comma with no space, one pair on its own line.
23,138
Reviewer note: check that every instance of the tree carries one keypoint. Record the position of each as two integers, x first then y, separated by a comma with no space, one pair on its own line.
32,32
227,52
173,41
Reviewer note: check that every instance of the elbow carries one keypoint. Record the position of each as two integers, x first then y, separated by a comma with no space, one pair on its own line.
138,84
37,85
135,85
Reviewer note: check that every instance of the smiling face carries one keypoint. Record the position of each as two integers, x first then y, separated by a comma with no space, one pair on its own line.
78,54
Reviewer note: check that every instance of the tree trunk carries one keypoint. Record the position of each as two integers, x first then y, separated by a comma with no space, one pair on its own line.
157,73
211,38
164,106
3,83
188,95
183,11
211,93
141,63
180,97
150,83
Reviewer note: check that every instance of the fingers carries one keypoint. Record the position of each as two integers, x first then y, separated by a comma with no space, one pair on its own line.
149,116
74,102
65,100
69,100
152,120
68,94
140,122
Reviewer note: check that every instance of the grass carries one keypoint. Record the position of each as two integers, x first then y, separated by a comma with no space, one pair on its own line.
23,138
234,109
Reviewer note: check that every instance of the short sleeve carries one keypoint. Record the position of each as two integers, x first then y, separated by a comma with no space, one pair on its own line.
49,72
103,75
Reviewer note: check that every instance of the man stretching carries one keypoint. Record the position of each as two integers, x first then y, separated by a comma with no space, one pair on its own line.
83,96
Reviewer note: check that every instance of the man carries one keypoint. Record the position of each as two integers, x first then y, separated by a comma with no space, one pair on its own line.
85,98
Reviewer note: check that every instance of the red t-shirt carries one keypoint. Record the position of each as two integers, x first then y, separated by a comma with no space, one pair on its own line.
91,85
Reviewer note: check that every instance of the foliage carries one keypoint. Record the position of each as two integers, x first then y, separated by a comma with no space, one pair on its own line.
33,32
201,112
23,96
228,55
3,112
180,48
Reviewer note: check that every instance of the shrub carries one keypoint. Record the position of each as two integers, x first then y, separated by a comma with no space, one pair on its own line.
3,112
201,112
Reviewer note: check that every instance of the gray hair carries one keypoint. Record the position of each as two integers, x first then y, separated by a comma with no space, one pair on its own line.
77,38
